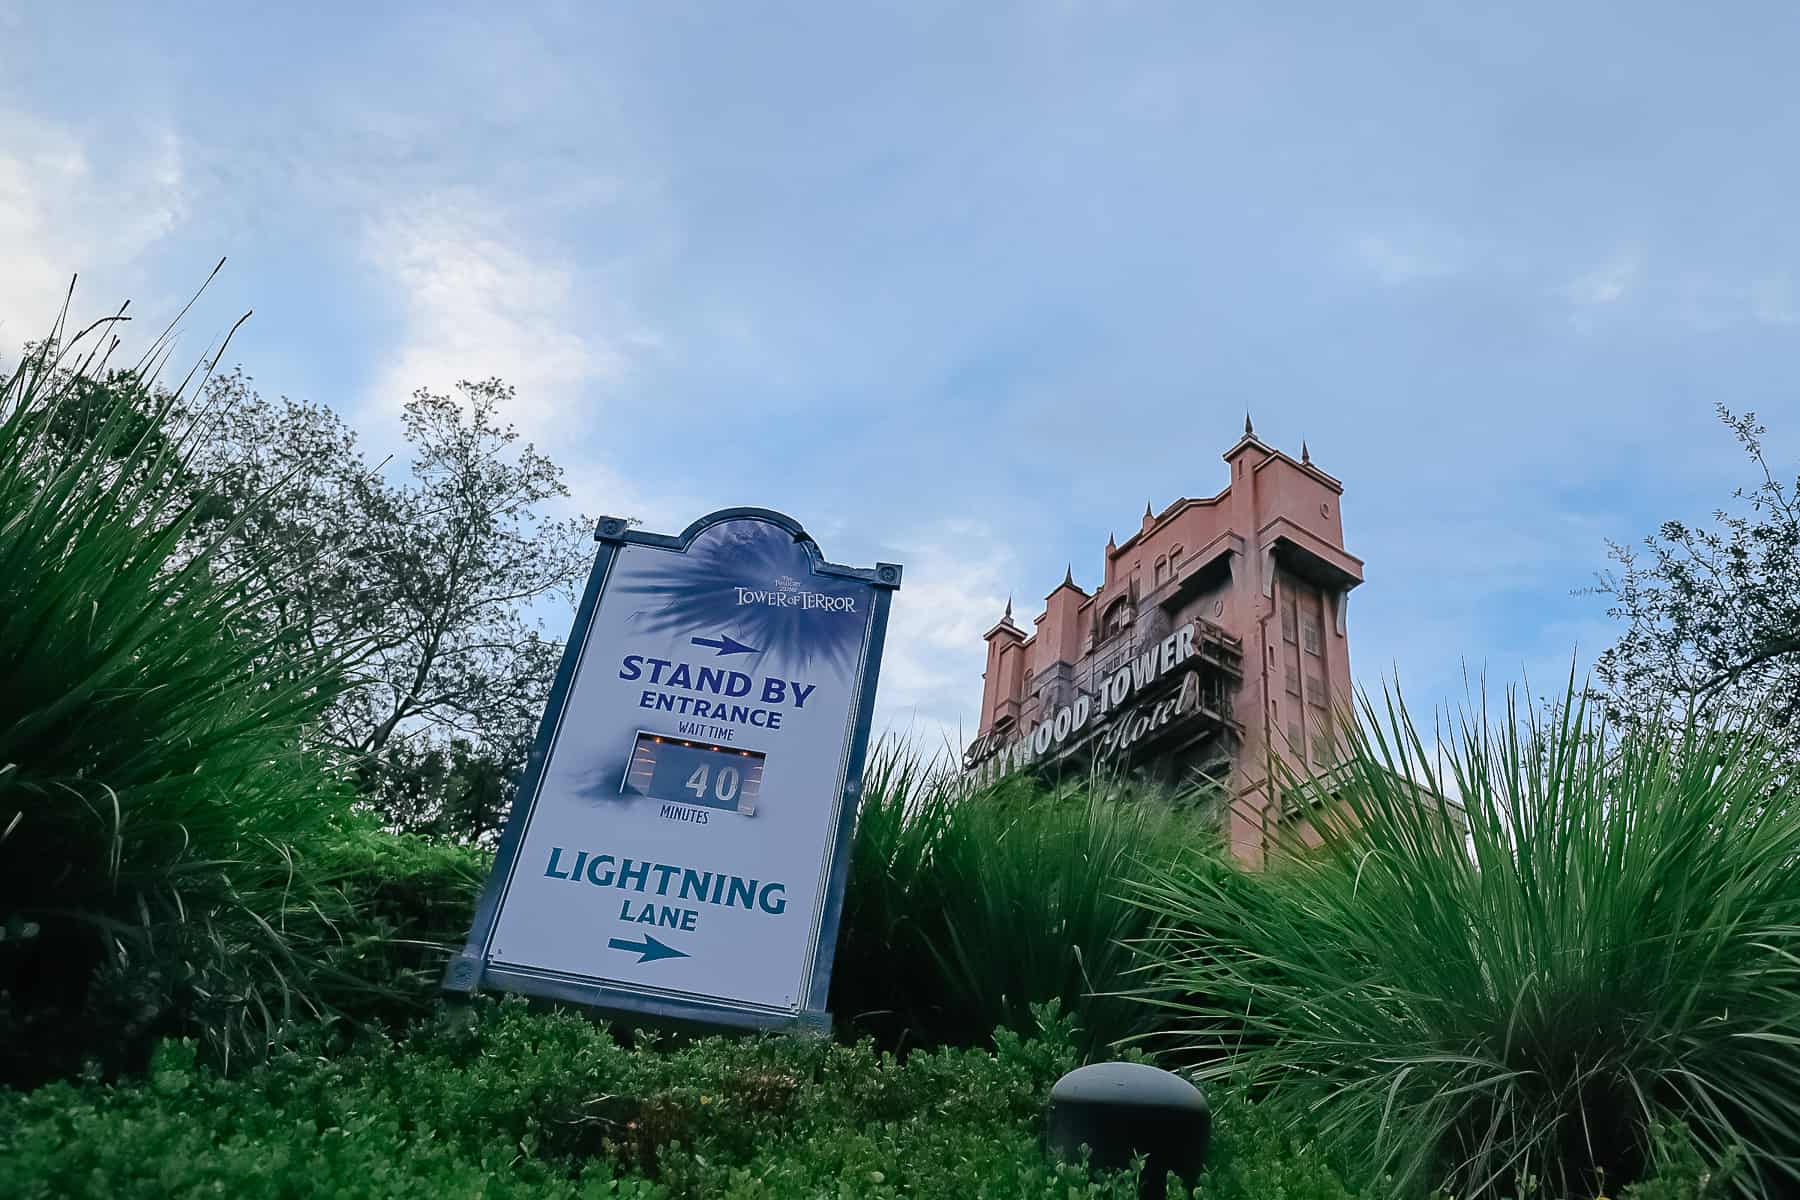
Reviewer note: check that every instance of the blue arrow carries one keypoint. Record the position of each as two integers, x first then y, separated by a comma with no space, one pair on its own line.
726,644
648,950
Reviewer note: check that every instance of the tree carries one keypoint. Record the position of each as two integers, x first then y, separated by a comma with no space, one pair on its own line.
455,789
1712,615
429,579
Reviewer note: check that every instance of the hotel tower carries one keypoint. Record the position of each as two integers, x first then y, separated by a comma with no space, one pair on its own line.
1216,637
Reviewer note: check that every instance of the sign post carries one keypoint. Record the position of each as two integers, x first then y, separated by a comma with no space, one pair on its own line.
680,841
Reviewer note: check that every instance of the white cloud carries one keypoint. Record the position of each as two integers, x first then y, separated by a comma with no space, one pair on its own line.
1606,284
477,301
1772,302
478,304
68,208
953,591
1701,299
1396,261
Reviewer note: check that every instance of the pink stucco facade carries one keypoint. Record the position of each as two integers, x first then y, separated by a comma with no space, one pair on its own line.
1260,569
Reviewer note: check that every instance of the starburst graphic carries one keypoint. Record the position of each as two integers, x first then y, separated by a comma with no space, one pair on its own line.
697,593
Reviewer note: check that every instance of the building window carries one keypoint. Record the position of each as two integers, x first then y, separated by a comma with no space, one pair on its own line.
1315,634
1118,618
1174,557
1315,688
1293,735
1289,632
1293,679
1161,571
1323,751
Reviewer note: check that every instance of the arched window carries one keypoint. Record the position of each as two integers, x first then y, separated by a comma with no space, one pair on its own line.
1118,618
1160,572
1174,557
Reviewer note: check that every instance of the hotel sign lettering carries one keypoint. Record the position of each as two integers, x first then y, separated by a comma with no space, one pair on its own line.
1109,722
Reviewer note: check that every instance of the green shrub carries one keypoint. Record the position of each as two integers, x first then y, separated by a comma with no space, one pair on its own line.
152,780
510,1103
1258,1154
968,905
1683,1172
407,903
1612,944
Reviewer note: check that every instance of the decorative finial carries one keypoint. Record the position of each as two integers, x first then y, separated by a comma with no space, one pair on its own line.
1069,575
1147,514
1249,429
1009,608
1112,541
1305,454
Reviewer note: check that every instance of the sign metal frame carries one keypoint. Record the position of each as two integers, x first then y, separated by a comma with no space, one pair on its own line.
471,971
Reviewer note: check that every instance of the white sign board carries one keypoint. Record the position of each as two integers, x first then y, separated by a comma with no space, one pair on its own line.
679,845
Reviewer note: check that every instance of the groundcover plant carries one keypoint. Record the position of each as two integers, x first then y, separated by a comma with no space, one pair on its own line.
506,1102
1510,992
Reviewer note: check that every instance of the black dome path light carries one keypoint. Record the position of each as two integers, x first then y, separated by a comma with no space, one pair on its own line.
1119,1110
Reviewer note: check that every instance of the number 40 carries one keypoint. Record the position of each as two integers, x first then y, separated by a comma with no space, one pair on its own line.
725,787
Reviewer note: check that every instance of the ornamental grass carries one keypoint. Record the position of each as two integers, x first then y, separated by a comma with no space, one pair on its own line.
967,905
153,781
1538,987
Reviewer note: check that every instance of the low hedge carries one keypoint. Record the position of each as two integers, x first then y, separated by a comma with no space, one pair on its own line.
408,901
497,1101
501,1102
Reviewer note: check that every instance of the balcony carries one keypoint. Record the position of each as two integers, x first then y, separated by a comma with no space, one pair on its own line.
1006,714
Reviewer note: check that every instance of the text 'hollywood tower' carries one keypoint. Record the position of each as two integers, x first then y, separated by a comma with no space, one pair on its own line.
1216,637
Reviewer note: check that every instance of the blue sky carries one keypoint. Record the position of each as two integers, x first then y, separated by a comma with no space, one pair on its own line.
1495,267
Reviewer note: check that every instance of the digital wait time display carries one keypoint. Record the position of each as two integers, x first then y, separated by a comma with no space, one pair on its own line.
681,771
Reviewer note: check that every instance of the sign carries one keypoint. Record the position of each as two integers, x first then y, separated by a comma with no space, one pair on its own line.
1108,723
679,845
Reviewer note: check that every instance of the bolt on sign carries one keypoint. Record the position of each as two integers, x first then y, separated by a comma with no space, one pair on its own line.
680,842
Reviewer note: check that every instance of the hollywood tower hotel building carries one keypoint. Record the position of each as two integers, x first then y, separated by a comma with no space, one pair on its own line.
1216,635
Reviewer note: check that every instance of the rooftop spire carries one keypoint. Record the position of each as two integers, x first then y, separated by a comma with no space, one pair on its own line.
1249,429
1148,516
1305,454
1008,616
1069,575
